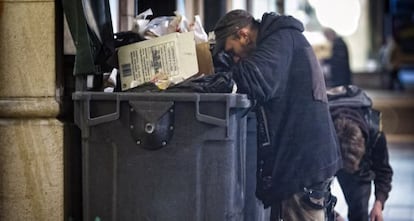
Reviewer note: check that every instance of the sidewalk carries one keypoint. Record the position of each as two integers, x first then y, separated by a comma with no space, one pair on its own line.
400,204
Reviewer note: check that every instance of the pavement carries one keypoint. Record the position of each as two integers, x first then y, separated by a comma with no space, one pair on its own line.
400,204
397,108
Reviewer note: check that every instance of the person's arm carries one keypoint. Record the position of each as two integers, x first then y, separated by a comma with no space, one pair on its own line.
263,75
382,169
383,176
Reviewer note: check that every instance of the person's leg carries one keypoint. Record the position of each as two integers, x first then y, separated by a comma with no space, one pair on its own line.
395,82
275,212
297,209
400,85
311,205
392,79
356,194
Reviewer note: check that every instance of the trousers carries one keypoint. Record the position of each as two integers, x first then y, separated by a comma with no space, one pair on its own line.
315,203
357,193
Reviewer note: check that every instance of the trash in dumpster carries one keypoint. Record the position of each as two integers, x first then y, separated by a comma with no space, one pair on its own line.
141,22
126,37
156,51
175,51
173,55
110,80
200,35
213,83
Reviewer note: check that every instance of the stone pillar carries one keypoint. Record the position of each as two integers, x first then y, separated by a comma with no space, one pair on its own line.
213,11
280,6
31,138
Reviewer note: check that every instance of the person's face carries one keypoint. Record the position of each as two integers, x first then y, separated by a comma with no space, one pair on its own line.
239,46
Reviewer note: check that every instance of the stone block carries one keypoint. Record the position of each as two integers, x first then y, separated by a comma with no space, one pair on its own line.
27,46
31,169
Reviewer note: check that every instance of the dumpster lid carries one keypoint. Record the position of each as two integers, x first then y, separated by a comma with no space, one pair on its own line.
233,100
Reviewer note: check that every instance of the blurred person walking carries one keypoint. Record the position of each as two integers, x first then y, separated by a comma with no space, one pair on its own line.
390,58
339,71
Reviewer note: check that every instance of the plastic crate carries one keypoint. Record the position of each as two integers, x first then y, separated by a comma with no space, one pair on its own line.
162,156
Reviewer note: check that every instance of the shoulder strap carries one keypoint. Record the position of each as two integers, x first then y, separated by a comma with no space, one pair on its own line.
375,122
373,119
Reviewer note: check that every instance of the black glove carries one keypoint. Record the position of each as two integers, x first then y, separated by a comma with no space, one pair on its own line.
222,62
215,83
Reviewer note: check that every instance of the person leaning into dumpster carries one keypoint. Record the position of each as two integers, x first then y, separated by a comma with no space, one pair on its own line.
298,153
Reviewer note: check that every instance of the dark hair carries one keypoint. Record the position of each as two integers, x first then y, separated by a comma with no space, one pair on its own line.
352,143
230,23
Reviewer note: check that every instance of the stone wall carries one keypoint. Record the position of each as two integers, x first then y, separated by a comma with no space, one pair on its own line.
31,138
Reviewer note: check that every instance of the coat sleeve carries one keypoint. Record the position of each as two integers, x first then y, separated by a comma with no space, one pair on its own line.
382,169
263,75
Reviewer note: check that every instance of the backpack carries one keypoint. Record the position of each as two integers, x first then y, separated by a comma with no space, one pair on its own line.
351,97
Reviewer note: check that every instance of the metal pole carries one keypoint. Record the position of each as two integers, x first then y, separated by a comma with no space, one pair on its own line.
280,6
213,11
249,6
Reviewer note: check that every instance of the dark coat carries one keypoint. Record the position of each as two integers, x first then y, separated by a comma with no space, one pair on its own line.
339,64
297,144
375,165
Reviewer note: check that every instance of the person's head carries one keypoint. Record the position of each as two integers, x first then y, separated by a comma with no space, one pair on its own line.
329,34
236,33
352,143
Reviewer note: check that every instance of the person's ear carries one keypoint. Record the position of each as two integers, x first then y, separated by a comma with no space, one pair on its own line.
244,35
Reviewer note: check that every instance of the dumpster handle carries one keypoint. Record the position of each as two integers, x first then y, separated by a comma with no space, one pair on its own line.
104,118
210,119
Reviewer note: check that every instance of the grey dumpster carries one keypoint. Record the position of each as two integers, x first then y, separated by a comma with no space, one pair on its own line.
162,156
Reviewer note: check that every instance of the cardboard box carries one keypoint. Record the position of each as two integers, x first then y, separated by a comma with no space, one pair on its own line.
174,55
204,58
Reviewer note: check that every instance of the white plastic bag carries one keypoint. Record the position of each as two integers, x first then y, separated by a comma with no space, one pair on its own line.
141,22
199,32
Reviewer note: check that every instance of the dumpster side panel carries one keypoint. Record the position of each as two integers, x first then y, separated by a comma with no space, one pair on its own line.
198,175
254,209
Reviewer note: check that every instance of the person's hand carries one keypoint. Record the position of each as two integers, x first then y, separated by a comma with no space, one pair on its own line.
223,62
376,212
338,217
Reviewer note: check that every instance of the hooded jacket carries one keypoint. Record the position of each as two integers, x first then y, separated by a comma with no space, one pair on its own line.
297,145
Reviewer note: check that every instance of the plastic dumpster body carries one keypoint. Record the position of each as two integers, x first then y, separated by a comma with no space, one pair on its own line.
254,210
162,156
